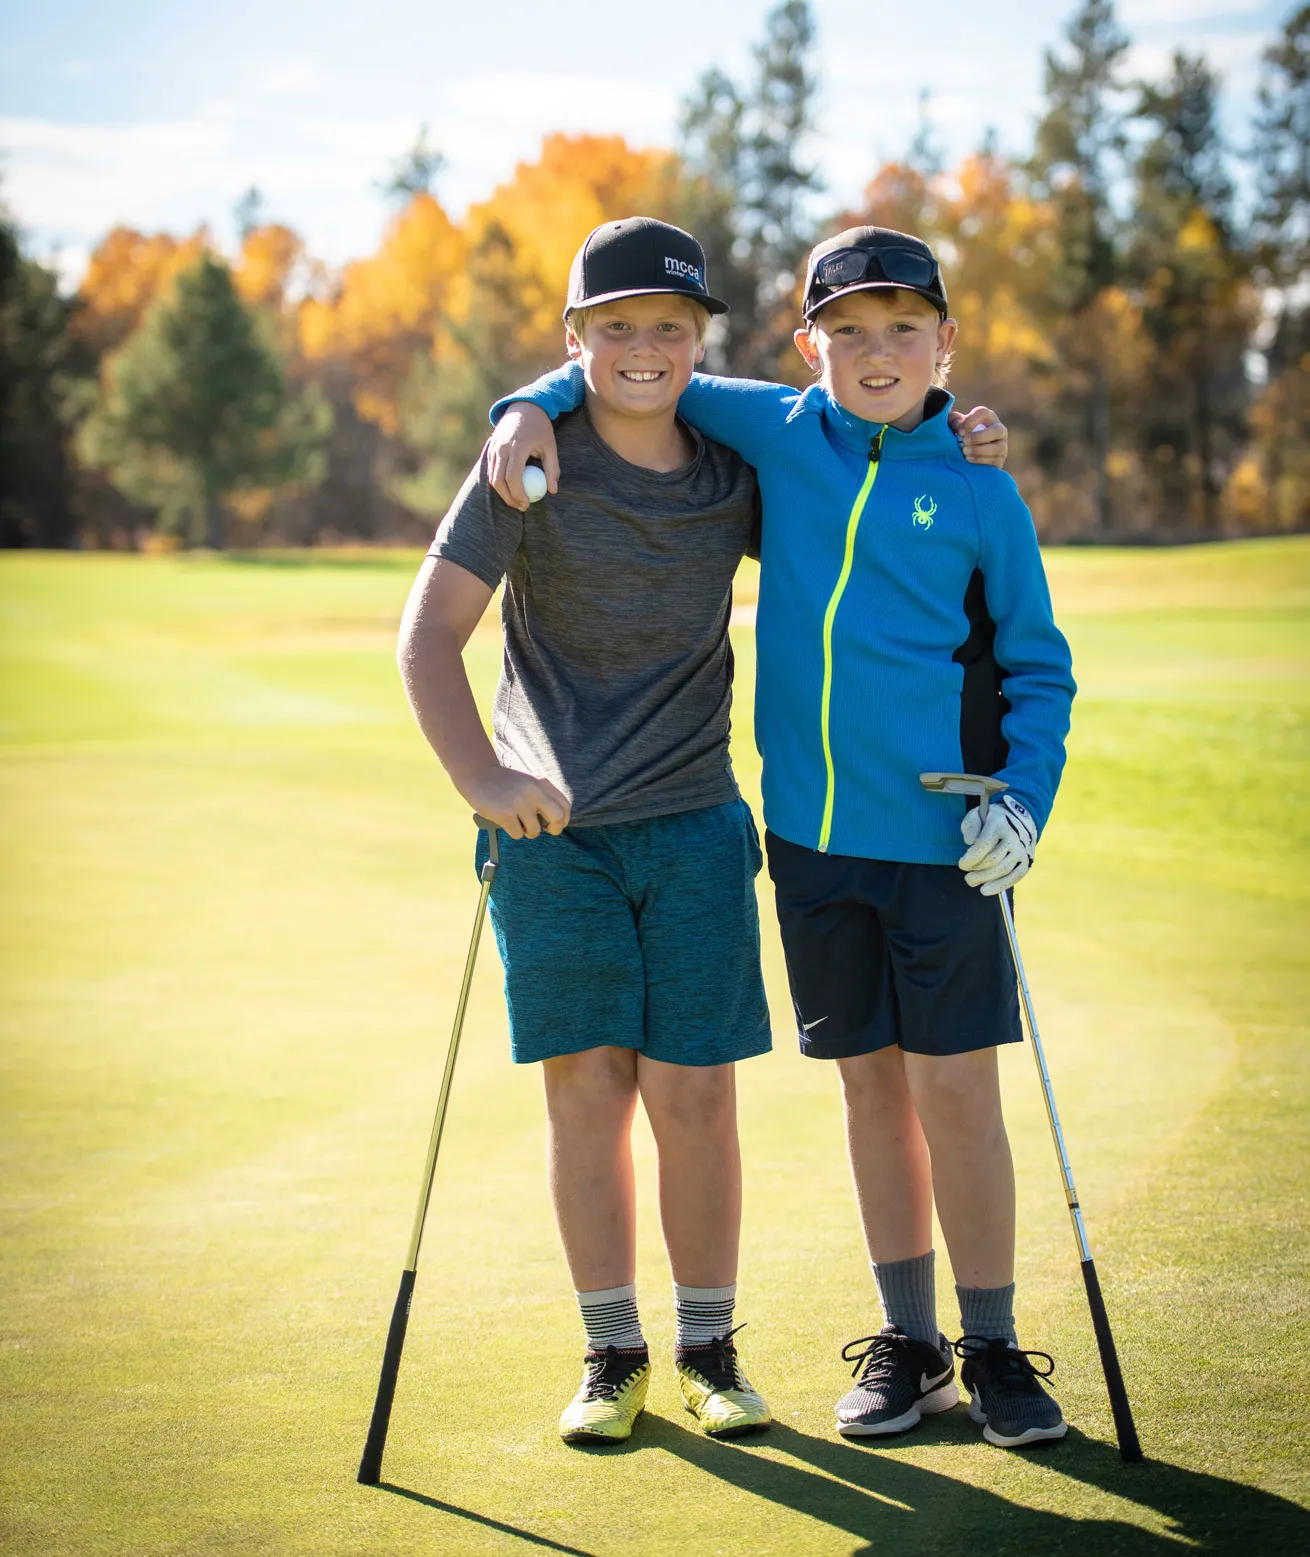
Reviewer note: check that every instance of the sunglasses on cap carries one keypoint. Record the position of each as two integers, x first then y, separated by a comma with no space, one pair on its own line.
905,267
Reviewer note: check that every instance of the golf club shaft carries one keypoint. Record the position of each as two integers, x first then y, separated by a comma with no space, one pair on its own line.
1125,1429
370,1465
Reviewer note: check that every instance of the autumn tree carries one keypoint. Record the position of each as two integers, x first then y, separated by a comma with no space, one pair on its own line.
194,407
384,312
126,272
475,360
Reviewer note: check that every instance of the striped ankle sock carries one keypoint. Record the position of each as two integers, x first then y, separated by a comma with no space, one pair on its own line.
908,1292
610,1318
704,1313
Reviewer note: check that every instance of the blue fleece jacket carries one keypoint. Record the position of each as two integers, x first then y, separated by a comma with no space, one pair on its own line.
904,621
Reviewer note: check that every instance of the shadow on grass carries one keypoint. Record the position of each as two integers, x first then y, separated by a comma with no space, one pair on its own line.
879,1498
481,1519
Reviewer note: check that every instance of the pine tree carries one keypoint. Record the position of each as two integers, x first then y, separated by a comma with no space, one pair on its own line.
1079,146
1196,305
1282,238
747,143
35,482
195,407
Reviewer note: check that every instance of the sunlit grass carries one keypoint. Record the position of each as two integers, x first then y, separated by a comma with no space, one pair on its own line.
239,893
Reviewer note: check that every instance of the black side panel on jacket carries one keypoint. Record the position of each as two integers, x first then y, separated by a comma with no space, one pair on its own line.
983,749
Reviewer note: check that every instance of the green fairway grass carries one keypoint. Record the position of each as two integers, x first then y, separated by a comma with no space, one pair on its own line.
238,892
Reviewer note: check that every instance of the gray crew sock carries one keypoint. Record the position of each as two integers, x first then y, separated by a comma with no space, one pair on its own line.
987,1311
704,1313
610,1318
908,1291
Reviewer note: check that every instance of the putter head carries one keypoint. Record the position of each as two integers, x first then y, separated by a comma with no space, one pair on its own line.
976,784
493,846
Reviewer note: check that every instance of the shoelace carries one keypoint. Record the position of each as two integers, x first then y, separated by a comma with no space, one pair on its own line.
1006,1359
607,1375
878,1357
721,1372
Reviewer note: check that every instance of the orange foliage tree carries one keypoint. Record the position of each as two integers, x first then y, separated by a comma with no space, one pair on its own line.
386,309
126,272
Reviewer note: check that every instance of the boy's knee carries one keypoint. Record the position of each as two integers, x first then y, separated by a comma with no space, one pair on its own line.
602,1079
960,1090
872,1080
692,1097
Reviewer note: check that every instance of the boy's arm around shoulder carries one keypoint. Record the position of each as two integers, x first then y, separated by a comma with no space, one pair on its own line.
1031,650
744,414
448,600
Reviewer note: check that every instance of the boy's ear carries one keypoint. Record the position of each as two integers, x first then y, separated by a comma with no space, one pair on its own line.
947,330
700,352
572,344
805,345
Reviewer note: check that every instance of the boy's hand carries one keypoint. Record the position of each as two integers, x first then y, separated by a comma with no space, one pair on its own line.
519,804
1000,849
522,432
982,434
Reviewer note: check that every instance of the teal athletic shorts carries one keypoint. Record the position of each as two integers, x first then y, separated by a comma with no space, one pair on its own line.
644,935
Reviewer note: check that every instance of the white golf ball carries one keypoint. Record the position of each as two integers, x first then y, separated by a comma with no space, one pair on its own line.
534,483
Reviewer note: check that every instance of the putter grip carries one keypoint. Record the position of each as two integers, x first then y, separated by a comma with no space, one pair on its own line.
1130,1449
370,1465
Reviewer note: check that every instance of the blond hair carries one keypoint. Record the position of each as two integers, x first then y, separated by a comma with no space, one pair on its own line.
577,319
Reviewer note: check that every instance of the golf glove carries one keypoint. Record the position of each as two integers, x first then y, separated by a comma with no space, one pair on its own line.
1000,850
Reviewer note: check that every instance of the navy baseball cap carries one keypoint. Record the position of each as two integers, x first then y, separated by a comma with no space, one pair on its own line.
872,259
638,257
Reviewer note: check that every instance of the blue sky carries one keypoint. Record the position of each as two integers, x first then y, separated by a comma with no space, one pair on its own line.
160,115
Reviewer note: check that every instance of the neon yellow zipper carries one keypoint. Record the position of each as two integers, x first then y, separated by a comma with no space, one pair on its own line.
829,617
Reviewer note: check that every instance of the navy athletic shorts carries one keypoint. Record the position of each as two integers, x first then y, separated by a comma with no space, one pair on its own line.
881,953
643,934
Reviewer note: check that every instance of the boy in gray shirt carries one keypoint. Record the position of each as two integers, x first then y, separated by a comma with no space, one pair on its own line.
624,905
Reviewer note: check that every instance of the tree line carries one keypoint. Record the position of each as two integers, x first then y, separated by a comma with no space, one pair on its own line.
1132,296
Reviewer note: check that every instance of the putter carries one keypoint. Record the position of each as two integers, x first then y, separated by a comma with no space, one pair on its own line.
1130,1449
370,1465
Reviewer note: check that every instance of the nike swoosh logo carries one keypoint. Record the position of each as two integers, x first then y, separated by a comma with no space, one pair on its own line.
805,1026
927,1385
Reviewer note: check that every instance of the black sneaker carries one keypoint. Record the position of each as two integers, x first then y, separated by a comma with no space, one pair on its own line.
899,1381
1007,1401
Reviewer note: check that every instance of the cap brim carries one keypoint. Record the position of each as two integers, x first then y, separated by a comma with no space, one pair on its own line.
711,304
877,286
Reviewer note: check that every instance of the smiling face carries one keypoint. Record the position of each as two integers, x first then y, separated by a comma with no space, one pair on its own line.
638,354
876,353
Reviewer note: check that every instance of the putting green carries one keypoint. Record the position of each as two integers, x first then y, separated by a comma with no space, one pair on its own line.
239,894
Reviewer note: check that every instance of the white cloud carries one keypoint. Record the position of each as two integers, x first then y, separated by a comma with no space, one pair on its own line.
287,78
1185,13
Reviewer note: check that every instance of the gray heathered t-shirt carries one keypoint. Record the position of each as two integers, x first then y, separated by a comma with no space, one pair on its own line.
617,673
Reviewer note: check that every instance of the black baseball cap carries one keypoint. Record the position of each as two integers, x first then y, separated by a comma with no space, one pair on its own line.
638,257
872,259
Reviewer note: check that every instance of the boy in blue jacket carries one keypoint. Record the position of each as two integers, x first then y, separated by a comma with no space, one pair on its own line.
904,625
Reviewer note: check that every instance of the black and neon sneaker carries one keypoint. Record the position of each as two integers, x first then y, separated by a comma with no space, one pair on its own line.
717,1392
1006,1397
611,1398
898,1380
